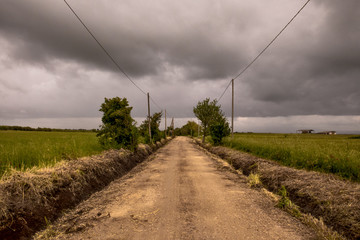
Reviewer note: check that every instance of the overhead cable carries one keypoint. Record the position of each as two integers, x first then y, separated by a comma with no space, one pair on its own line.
153,101
224,91
103,48
271,42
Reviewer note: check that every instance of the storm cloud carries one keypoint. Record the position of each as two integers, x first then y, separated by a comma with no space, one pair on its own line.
181,52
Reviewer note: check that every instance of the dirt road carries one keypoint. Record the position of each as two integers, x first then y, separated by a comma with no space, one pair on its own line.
181,193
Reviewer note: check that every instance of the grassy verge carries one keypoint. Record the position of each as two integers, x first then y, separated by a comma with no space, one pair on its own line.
317,225
321,198
339,154
22,150
30,200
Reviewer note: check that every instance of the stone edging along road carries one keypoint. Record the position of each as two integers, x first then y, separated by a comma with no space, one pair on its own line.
29,200
335,201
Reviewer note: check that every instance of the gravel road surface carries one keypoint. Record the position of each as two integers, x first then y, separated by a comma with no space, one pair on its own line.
181,192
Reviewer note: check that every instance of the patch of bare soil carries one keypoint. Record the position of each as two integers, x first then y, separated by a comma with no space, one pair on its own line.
30,200
179,193
335,201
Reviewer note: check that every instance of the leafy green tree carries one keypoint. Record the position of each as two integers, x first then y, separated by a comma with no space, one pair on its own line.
210,114
219,130
206,112
118,129
189,129
170,131
177,132
156,134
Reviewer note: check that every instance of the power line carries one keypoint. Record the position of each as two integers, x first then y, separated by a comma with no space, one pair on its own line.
103,48
154,102
158,106
111,58
271,42
224,91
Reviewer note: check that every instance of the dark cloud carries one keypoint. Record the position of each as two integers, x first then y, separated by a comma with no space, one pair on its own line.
318,73
181,52
44,31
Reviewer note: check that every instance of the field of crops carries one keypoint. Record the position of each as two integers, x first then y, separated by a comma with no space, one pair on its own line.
22,150
338,154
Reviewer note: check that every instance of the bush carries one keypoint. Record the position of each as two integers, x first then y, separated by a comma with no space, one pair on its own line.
219,130
118,129
156,134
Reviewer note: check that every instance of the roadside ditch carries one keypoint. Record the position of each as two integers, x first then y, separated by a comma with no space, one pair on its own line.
334,201
32,199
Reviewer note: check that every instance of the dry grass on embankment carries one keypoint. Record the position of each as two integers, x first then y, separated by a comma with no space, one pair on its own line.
29,200
324,196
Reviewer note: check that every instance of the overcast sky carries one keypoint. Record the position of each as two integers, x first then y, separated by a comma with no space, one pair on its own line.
53,74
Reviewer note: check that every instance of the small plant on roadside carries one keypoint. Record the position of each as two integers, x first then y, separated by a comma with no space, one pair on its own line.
285,203
323,231
318,225
49,233
254,180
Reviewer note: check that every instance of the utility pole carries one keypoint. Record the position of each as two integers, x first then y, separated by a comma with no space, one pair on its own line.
198,129
165,124
232,110
148,98
172,127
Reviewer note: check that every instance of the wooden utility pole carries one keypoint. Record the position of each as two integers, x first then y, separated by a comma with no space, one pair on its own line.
198,129
149,118
232,110
165,124
172,127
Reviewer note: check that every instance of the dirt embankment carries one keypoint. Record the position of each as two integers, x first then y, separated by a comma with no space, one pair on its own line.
324,196
29,200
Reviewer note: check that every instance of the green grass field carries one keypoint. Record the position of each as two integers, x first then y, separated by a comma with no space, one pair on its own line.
338,154
22,150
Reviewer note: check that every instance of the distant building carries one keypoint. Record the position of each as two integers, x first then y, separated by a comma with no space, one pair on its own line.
328,133
304,131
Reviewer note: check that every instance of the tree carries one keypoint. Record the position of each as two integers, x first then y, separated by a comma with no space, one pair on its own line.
210,114
177,132
118,129
206,112
190,128
219,130
155,120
